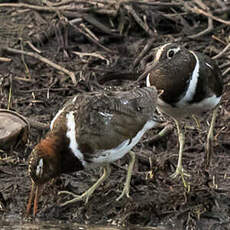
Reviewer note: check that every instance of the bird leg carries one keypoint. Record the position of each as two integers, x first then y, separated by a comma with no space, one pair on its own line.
209,144
128,177
33,198
179,170
85,196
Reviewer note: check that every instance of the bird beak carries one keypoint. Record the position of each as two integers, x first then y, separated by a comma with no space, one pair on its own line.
147,71
160,92
33,198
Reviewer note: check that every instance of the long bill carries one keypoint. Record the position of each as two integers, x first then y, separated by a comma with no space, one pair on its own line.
144,75
33,198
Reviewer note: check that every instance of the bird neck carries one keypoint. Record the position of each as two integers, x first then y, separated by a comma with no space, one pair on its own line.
57,146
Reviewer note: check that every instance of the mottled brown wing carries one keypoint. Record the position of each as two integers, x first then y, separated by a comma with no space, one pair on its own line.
210,74
106,120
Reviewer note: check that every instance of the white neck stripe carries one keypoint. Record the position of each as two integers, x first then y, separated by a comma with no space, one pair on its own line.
192,84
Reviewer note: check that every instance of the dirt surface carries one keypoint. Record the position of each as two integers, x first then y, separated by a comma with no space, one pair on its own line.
104,48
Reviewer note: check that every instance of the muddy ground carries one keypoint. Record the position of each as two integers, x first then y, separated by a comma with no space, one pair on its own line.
105,47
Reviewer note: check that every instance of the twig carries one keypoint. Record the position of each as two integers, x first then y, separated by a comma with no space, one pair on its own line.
165,131
105,29
81,55
225,64
210,20
143,25
144,51
222,52
154,3
200,11
218,39
66,9
33,7
45,60
206,31
226,71
197,10
91,38
33,47
88,31
3,59
37,124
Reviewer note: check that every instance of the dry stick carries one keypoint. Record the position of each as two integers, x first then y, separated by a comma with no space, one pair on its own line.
225,64
144,51
37,124
210,20
91,38
208,30
197,10
143,25
3,59
61,8
165,131
153,3
200,11
34,7
45,60
95,2
58,3
201,4
218,39
226,71
93,21
222,52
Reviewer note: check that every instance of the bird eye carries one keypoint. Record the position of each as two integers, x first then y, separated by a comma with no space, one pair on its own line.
170,53
139,108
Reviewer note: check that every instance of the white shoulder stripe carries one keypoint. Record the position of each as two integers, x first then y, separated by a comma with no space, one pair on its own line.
147,81
56,116
192,84
71,134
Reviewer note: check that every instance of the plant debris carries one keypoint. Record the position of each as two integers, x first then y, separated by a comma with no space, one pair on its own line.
52,50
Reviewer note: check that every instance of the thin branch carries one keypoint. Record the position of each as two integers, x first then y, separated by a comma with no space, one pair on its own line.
206,31
45,60
200,11
222,52
143,25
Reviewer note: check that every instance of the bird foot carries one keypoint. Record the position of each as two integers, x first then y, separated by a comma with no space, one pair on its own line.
181,172
84,197
124,192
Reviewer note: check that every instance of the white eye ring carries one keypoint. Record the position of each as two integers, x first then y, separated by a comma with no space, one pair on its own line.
172,52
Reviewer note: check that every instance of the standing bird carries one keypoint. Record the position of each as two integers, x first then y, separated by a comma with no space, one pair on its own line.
191,84
93,129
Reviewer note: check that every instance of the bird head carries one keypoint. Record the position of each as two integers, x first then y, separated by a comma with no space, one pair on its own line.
44,165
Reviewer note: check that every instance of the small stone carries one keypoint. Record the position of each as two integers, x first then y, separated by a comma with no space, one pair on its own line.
14,129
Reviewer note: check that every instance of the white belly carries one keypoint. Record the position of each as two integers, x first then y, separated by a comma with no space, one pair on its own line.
182,110
111,155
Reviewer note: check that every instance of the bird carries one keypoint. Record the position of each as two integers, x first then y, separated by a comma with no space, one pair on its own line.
191,85
92,130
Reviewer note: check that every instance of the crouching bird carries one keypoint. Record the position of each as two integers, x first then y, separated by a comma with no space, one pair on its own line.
92,129
191,84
